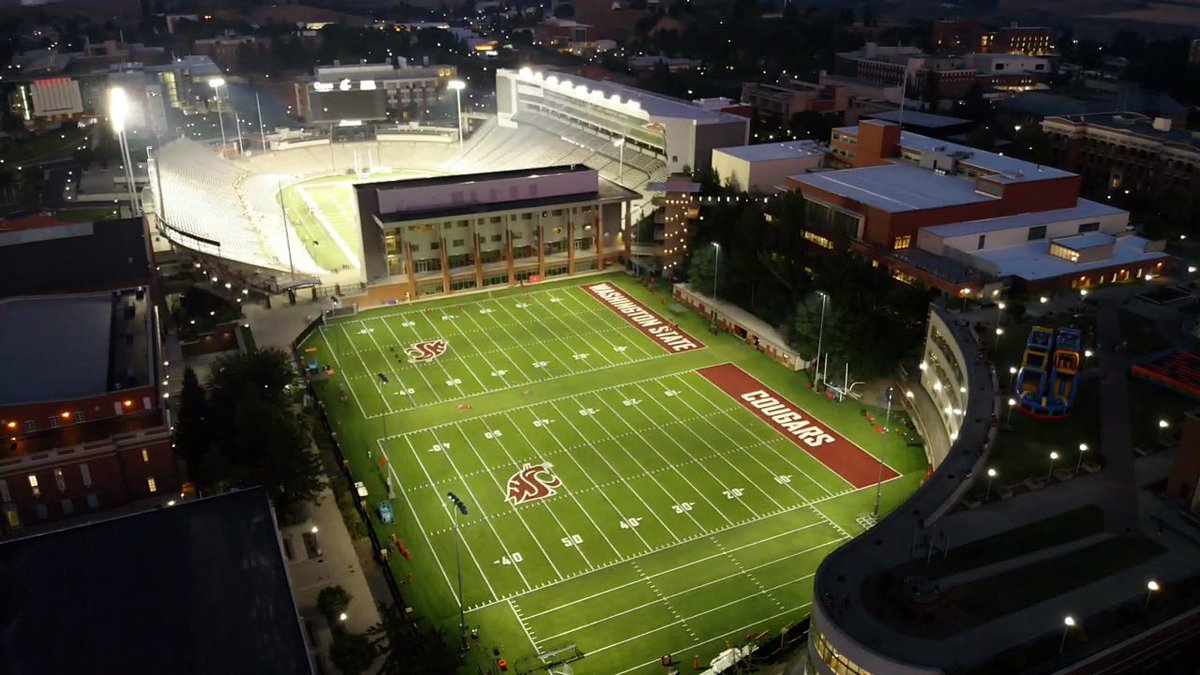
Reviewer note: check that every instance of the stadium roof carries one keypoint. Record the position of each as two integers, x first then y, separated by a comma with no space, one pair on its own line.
76,257
1084,208
468,178
896,187
196,588
54,349
766,152
656,105
1032,261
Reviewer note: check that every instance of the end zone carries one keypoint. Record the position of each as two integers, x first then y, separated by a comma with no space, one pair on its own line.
843,457
664,333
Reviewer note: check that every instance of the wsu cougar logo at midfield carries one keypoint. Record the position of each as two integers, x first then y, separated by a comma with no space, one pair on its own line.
424,352
531,483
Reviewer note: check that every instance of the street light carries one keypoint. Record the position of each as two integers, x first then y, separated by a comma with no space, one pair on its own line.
879,481
1162,427
620,143
1012,403
1151,587
1083,447
459,508
216,83
1068,624
1053,457
821,336
991,474
1012,372
996,346
118,111
458,86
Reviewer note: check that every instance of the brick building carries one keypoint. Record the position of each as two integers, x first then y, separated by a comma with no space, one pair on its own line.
82,411
964,36
780,100
965,221
1126,151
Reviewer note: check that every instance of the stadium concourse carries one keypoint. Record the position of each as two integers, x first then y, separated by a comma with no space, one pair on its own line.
229,208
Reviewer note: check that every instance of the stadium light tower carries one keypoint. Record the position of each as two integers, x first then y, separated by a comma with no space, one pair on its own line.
118,113
620,143
216,83
458,86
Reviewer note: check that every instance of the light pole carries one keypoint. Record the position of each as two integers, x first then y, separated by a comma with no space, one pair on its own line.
991,474
458,86
1151,587
996,344
262,131
1053,457
620,143
459,508
716,276
1083,447
1068,624
820,337
999,329
887,420
118,111
216,83
1012,403
1162,427
1012,372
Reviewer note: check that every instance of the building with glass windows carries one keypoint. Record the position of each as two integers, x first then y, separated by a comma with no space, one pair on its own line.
429,236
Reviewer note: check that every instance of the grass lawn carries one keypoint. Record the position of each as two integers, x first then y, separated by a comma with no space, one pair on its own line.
678,519
87,214
322,211
45,146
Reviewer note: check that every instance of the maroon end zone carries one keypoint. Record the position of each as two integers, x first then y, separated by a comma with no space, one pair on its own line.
829,448
662,332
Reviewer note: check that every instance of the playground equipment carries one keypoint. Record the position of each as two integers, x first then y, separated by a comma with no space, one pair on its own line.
1031,378
1064,378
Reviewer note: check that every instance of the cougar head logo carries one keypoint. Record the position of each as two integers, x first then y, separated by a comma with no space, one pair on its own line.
424,352
532,482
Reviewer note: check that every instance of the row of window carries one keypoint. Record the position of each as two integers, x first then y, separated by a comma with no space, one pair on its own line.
836,661
60,480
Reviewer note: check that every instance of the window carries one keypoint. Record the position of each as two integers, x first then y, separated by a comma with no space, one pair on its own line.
145,455
1037,232
12,517
85,474
78,416
526,216
151,485
982,241
67,507
457,242
92,502
415,247
1060,251
902,242
53,421
497,237
518,235
1089,227
42,512
59,481
5,496
435,245
30,425
818,240
33,485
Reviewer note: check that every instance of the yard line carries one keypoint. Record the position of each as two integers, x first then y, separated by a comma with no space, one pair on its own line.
369,314
697,562
528,633
718,637
829,520
593,308
366,368
511,363
517,321
446,508
699,614
427,541
670,608
779,454
576,333
553,515
388,360
595,485
708,421
635,461
570,493
665,462
449,379
747,572
512,506
345,375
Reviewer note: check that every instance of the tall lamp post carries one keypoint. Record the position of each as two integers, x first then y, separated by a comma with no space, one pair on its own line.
1053,458
216,83
820,336
458,86
620,143
118,112
991,474
1083,447
459,508
1068,624
716,275
1162,426
887,420
1151,587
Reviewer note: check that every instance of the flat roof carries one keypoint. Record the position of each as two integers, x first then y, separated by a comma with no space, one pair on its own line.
73,258
981,158
764,152
1079,242
1084,208
920,119
896,187
54,349
1142,125
468,178
200,587
1032,261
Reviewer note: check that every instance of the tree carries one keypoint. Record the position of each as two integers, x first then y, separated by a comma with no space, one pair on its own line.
811,124
191,439
352,653
704,269
332,601
564,11
409,649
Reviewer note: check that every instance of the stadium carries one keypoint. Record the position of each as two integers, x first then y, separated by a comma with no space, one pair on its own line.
285,215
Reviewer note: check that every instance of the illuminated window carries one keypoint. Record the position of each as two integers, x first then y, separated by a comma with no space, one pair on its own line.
1060,251
151,485
33,485
145,455
60,481
818,240
902,242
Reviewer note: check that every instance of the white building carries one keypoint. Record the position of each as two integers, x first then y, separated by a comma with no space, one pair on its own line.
764,168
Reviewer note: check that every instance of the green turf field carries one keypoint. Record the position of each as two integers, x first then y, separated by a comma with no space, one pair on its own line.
678,520
325,218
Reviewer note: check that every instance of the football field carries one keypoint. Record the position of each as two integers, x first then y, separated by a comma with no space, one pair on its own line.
634,485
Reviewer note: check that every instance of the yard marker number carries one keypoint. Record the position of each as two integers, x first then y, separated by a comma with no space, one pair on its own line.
619,348
454,382
631,401
783,479
670,393
486,310
580,357
499,373
544,422
683,507
572,540
540,364
630,523
449,317
522,305
510,560
587,412
438,447
733,493
493,434
408,324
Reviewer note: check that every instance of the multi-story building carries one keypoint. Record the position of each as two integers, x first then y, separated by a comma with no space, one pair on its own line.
948,76
764,168
673,225
966,221
430,236
780,100
228,51
964,36
370,91
82,409
1126,151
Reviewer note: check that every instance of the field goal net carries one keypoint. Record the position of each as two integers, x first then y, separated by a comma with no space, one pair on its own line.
556,661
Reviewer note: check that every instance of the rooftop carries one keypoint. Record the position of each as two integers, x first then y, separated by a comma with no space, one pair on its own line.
896,187
55,349
1084,208
919,119
1047,104
470,178
1015,169
1141,125
77,257
1032,261
1079,242
770,151
196,588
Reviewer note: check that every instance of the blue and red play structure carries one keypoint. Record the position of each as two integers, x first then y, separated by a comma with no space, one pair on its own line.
1048,379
